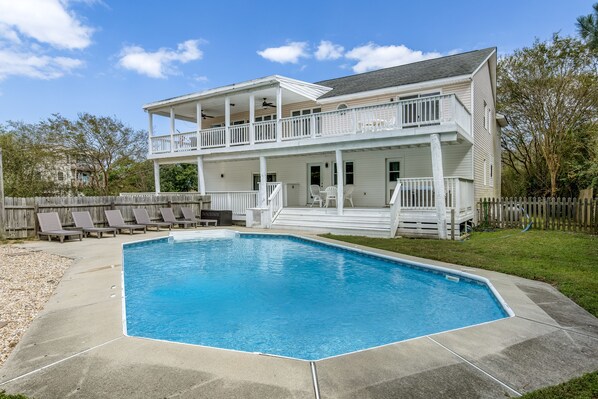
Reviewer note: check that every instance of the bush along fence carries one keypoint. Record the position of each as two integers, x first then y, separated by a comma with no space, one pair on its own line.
565,214
20,219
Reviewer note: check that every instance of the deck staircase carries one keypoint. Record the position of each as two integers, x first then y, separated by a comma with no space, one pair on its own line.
373,222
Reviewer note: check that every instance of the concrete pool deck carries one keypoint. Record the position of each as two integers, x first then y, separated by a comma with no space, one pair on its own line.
76,347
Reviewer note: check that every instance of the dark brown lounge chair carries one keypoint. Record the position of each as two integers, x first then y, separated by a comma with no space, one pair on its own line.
115,220
168,216
50,226
83,221
142,217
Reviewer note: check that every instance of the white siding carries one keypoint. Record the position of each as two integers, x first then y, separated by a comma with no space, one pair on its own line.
369,170
486,145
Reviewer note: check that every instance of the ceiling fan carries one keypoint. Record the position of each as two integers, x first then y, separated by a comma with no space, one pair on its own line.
204,116
267,104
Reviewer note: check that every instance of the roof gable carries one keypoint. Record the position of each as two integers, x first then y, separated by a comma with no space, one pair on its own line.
422,71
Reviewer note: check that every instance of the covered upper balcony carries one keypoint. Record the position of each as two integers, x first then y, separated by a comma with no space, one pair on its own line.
276,111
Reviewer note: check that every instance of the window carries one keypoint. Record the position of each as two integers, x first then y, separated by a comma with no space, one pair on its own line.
349,173
419,111
60,176
270,177
306,111
342,106
263,118
241,122
217,125
486,116
394,170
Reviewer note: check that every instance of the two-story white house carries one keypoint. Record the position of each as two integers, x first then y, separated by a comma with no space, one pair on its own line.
428,128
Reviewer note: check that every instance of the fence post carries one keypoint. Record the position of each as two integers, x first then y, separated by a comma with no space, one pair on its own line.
2,210
36,223
453,224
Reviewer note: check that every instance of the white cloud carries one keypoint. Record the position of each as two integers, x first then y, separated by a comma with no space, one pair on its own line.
32,30
372,56
32,65
289,53
329,51
47,21
159,64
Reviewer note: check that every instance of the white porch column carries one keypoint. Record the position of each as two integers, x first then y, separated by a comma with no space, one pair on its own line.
263,182
150,130
198,124
172,129
438,174
251,119
227,120
201,181
278,113
157,176
340,179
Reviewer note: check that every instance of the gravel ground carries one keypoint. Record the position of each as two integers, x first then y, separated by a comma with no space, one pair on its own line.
27,279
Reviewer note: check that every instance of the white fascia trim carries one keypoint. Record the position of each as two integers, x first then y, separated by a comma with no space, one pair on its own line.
237,87
483,63
398,89
212,92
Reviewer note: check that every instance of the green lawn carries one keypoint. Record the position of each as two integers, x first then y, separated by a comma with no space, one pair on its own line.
566,260
584,387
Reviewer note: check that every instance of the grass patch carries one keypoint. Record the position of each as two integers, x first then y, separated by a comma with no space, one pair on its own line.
4,395
584,387
569,261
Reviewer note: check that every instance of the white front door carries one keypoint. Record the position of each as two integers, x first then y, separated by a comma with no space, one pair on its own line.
314,177
393,172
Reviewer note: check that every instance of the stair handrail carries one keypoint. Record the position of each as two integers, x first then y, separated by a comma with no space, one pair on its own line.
275,203
395,210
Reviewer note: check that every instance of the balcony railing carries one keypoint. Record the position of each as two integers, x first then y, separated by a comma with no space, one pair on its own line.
418,193
404,114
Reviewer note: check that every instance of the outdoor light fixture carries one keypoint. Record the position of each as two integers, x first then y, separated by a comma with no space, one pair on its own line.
222,175
326,165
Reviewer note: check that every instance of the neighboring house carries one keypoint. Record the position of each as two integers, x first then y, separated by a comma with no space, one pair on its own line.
68,172
429,126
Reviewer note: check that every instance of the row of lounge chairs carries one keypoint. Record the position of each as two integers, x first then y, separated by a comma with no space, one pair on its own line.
50,225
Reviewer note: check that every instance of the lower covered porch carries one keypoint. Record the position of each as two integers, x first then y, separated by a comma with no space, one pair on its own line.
381,192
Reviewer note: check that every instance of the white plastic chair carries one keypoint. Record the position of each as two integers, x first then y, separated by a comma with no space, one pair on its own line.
348,194
314,191
330,195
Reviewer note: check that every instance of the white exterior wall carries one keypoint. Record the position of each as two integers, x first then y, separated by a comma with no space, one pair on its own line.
486,145
369,170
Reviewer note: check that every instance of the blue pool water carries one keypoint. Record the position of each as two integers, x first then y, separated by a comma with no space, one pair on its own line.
288,296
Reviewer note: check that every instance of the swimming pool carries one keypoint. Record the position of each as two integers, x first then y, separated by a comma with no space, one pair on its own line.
290,296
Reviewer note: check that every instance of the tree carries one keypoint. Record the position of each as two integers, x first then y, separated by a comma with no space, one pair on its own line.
549,93
27,161
587,27
178,178
100,141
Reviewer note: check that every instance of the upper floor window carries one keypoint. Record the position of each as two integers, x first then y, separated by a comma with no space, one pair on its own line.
342,106
306,111
60,176
487,117
491,180
264,118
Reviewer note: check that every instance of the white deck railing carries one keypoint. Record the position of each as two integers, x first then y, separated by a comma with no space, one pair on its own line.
418,193
395,210
275,202
237,201
404,114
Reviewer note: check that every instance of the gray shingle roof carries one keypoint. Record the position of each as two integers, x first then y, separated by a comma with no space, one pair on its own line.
422,71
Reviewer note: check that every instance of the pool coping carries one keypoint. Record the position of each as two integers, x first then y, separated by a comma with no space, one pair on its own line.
398,260
77,344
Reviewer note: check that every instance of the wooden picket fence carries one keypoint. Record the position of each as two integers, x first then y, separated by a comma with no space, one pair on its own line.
20,219
565,214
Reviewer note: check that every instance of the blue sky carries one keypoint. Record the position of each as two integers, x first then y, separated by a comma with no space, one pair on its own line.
111,57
